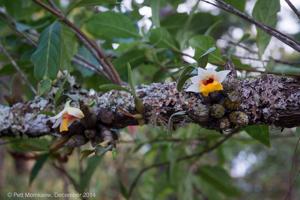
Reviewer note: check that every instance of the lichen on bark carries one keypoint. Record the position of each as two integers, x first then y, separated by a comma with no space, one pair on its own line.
269,99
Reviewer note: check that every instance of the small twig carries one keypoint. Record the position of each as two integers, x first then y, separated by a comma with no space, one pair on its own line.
78,59
241,46
66,174
162,140
91,45
12,24
269,60
252,69
269,30
292,176
166,163
17,67
293,8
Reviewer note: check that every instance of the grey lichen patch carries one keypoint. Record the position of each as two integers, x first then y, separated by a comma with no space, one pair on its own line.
36,125
160,101
267,98
6,118
39,103
116,99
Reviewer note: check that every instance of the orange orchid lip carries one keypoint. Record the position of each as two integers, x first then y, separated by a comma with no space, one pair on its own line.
66,117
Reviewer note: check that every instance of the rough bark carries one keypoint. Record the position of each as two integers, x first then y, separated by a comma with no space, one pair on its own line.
269,99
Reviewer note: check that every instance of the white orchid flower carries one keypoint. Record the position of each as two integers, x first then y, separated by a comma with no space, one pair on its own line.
66,117
207,81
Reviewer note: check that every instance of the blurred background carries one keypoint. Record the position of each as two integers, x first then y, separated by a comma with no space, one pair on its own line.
159,39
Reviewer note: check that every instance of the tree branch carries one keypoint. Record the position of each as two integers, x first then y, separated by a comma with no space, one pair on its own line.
269,30
269,99
294,9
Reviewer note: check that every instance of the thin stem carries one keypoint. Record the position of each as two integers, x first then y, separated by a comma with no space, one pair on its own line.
269,30
293,176
166,163
91,45
12,24
269,60
294,9
83,62
66,174
241,46
17,67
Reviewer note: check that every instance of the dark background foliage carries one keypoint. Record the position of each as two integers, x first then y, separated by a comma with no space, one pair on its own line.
159,39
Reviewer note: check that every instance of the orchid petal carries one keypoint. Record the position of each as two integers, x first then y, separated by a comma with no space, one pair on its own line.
76,112
195,79
221,75
201,71
193,88
59,115
67,104
57,123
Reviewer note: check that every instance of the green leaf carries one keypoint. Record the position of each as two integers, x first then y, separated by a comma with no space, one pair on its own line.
130,80
109,87
30,144
100,150
85,153
203,45
266,13
68,47
155,6
123,189
284,69
184,76
170,121
135,57
260,133
85,178
204,57
56,48
111,25
114,153
239,4
138,102
37,167
85,53
7,70
20,9
59,94
218,178
212,27
161,38
46,58
297,133
44,86
83,3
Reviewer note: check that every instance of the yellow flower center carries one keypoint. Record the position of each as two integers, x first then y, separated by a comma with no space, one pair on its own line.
209,85
66,121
